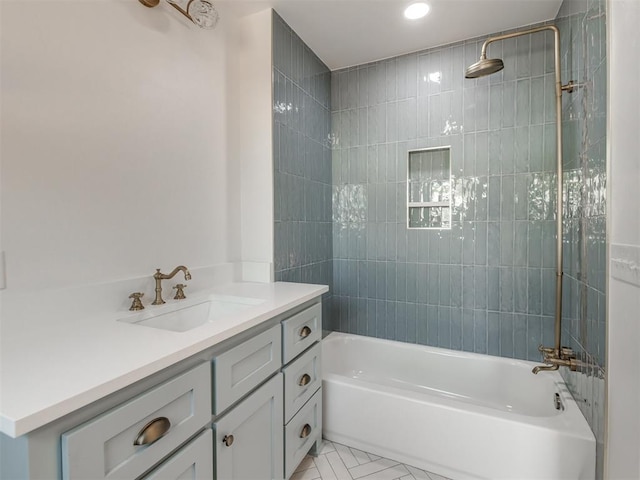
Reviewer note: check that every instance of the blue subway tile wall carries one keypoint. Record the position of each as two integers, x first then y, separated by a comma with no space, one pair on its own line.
485,285
582,25
302,162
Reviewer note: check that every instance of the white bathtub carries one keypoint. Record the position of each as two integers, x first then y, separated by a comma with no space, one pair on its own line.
458,414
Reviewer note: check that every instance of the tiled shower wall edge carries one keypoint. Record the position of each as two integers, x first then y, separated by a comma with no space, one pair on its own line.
302,163
582,24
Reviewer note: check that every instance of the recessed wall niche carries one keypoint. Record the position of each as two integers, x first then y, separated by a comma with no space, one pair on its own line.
429,188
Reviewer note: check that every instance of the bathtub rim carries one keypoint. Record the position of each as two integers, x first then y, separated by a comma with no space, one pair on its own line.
335,336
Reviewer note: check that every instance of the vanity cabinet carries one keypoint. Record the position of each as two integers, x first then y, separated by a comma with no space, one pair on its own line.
249,407
267,434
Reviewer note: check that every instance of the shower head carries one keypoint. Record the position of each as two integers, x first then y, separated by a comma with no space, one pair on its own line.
485,66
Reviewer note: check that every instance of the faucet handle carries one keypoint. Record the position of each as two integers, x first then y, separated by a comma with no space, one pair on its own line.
180,291
136,304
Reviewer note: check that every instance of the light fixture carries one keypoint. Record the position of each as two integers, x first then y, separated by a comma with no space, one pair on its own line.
200,12
416,10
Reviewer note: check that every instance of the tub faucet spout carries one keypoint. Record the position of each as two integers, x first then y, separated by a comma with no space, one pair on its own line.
554,359
158,277
545,368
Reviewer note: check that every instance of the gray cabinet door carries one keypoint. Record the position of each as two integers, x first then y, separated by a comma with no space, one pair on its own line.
249,438
192,462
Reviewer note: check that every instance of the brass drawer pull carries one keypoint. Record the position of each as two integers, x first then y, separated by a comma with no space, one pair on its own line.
228,440
306,430
153,431
305,332
304,380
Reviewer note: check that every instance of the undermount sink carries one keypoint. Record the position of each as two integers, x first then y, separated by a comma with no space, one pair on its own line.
181,318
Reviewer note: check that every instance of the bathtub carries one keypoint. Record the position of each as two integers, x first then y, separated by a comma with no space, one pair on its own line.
461,415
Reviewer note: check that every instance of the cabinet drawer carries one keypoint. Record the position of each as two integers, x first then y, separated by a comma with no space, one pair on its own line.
193,461
301,331
301,380
241,369
304,429
104,447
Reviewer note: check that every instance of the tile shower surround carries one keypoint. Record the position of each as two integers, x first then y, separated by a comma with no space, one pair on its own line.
486,285
302,162
463,288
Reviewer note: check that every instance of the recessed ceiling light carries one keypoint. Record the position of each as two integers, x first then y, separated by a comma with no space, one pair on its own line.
416,10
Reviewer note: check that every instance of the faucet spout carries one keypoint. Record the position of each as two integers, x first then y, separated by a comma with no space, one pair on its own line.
546,368
554,359
159,276
163,276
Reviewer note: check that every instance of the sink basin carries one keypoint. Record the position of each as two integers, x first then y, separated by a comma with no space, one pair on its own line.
181,317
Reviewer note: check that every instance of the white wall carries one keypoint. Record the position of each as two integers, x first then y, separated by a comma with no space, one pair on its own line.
251,138
113,143
622,455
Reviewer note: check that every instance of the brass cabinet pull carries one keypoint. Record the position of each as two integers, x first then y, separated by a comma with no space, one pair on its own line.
305,332
153,431
228,440
304,380
306,430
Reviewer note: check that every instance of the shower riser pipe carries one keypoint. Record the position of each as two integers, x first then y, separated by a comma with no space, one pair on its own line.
557,356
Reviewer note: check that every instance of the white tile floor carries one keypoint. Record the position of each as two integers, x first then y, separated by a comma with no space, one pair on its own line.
339,462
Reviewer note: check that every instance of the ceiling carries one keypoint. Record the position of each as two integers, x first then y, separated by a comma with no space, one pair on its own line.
344,33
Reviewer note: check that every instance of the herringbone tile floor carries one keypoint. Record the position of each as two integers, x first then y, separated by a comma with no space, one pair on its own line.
339,462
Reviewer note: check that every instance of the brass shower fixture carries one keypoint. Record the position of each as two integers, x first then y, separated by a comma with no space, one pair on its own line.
556,356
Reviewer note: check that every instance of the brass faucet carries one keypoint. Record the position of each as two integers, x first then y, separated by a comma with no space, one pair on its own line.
162,276
554,359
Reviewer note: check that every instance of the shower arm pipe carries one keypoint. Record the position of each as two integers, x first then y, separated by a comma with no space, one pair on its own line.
557,349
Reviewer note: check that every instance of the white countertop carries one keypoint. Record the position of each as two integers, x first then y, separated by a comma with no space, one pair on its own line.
55,362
